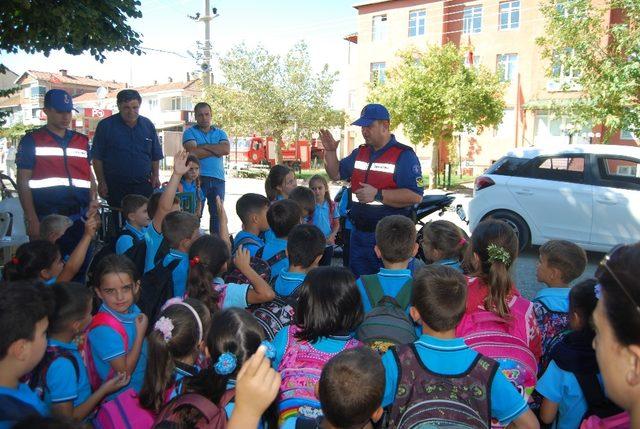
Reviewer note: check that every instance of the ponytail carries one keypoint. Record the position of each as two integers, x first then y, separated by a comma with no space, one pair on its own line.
207,257
499,282
30,259
200,286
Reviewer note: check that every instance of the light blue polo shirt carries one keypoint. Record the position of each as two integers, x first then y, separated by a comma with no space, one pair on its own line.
452,357
25,395
212,166
287,282
455,264
271,248
153,239
252,242
192,188
231,294
125,241
391,281
322,218
107,344
560,386
180,273
555,298
63,383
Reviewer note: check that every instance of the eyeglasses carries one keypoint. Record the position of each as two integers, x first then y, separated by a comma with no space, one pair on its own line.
604,263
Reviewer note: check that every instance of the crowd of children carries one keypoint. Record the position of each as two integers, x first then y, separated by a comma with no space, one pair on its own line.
175,328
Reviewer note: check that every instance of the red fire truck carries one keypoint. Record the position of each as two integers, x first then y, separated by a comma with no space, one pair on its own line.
262,151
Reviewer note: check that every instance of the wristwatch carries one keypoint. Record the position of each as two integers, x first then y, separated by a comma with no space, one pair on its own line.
378,196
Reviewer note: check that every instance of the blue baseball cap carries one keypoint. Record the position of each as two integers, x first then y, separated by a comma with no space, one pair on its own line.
59,100
371,113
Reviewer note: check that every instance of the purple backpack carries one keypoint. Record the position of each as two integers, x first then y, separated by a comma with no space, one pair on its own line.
554,326
427,399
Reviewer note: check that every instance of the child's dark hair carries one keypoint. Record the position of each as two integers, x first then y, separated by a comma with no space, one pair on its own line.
321,178
282,216
30,259
114,264
208,254
131,203
440,296
565,256
275,178
178,226
51,422
71,302
249,204
164,352
154,201
329,303
446,237
620,306
494,270
582,302
343,405
304,244
304,197
396,237
22,306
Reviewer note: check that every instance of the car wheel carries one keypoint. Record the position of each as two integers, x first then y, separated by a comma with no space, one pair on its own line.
518,225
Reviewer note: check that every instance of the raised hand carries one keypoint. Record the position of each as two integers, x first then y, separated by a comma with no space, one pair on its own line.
328,142
180,166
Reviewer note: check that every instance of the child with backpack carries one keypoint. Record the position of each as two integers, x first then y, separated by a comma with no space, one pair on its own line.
282,216
561,262
24,317
208,260
329,310
61,377
134,211
573,365
279,183
115,337
252,211
498,322
305,247
325,215
189,190
444,243
386,295
459,387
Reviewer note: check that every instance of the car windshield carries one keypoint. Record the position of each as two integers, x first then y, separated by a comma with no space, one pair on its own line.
506,166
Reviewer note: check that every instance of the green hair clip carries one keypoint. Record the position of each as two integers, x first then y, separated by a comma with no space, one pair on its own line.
498,254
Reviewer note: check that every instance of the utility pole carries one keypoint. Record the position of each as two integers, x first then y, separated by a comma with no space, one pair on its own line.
206,65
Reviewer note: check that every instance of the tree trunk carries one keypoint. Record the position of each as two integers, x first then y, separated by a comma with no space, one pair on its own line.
277,139
435,160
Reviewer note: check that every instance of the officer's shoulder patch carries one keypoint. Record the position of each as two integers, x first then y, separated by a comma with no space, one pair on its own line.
420,181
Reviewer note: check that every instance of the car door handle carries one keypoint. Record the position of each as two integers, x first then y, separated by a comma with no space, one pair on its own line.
607,201
525,192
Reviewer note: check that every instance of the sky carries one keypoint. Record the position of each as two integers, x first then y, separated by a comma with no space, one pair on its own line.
276,24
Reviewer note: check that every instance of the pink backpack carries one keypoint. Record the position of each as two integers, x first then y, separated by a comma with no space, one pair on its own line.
504,341
300,369
619,421
101,318
124,411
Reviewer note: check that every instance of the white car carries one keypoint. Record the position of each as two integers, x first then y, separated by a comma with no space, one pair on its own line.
588,194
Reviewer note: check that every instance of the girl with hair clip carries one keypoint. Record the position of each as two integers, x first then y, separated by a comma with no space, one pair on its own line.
234,337
209,256
444,243
279,183
328,312
174,347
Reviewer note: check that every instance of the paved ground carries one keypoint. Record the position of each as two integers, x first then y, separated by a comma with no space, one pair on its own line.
524,271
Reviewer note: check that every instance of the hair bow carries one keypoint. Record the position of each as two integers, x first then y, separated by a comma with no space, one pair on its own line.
226,363
498,254
270,351
194,261
15,260
164,325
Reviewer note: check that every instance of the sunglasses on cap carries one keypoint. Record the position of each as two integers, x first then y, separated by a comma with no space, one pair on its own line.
604,265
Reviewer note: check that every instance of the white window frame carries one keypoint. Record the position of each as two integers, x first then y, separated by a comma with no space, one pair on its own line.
469,17
418,18
627,135
379,28
507,66
477,61
377,72
510,9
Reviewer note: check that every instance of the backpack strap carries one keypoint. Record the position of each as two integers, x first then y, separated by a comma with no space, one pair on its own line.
404,294
260,252
243,241
276,258
102,318
39,375
373,287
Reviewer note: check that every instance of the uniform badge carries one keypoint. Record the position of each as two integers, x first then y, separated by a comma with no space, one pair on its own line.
420,181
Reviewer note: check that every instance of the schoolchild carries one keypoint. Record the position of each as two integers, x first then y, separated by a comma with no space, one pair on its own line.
444,243
305,247
134,211
282,217
446,366
252,211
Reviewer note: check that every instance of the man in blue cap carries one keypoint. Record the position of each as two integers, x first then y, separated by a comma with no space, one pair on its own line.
386,179
54,167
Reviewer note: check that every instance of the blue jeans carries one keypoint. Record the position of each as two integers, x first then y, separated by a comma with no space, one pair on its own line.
362,258
212,187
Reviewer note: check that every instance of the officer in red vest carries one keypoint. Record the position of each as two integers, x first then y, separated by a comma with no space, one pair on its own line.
386,179
54,168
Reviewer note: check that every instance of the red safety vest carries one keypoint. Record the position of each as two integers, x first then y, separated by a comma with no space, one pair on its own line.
57,166
378,173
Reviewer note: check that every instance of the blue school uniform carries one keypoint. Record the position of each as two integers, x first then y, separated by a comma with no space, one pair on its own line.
322,218
107,344
24,398
271,248
125,241
153,239
64,384
391,281
287,282
453,263
451,357
231,294
554,298
249,241
180,273
179,375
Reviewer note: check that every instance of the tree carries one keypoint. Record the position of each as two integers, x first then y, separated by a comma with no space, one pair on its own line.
275,96
433,95
604,59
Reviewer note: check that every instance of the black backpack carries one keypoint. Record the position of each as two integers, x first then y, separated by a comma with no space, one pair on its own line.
597,403
276,314
272,260
156,287
387,323
38,377
136,253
